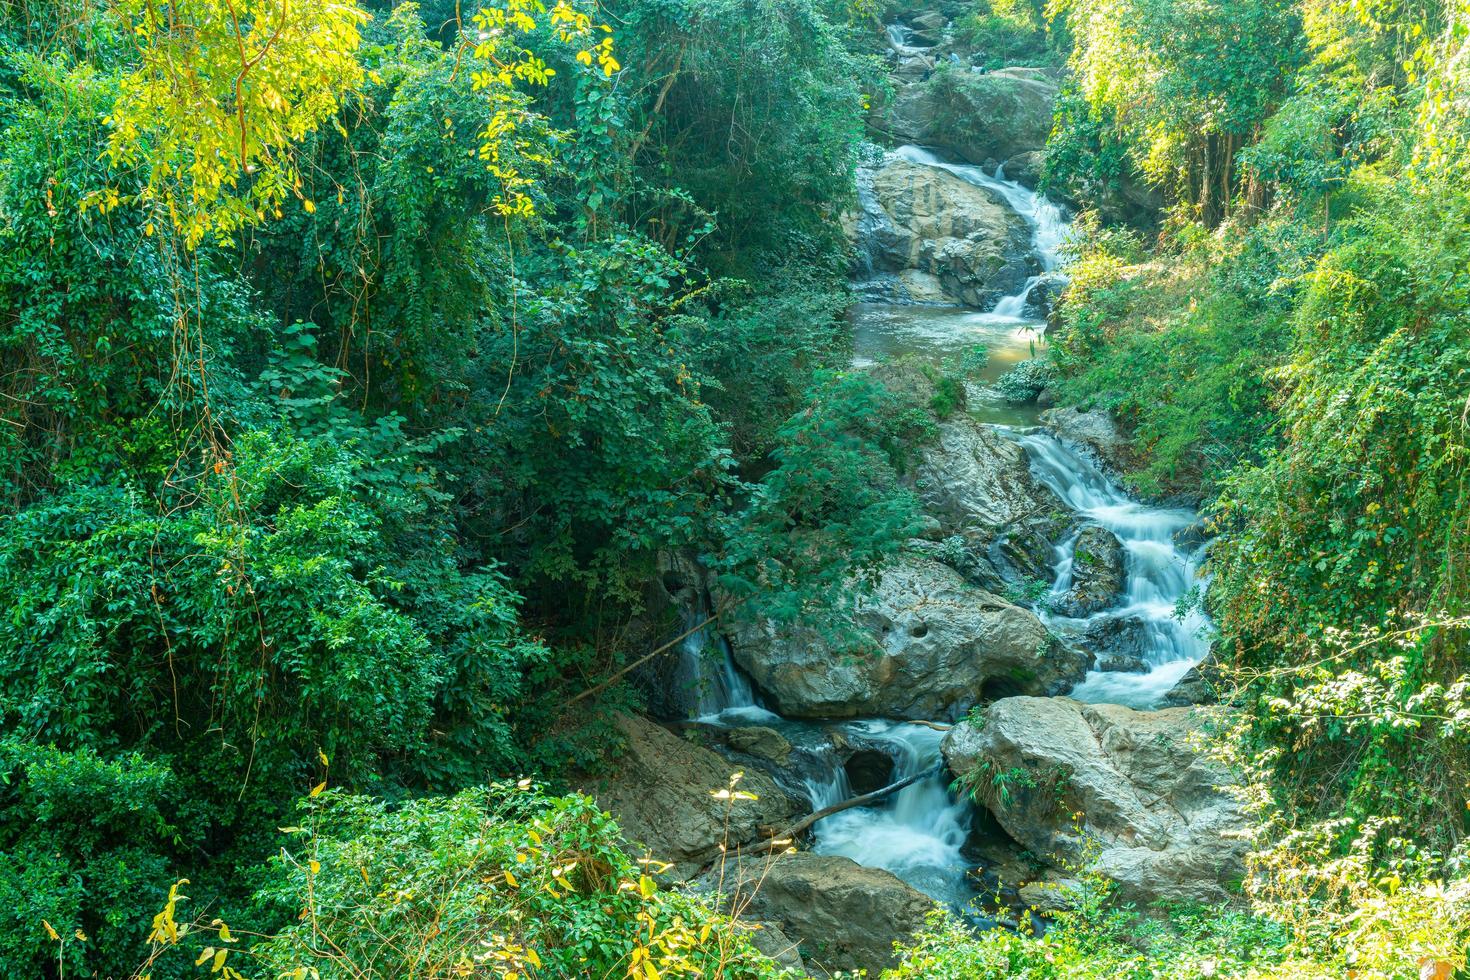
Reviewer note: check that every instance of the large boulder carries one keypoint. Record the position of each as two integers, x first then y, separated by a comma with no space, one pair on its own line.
984,119
1201,684
659,791
1154,813
977,482
925,220
843,916
1093,429
925,644
979,485
1097,574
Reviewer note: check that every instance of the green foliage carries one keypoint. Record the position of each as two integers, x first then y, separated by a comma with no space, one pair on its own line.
1356,518
87,843
530,883
385,475
1007,32
1182,85
1306,364
833,489
1024,382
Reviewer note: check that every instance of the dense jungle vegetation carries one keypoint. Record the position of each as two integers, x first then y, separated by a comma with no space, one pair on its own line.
359,361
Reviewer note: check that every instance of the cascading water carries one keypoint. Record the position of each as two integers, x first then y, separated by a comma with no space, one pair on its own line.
1049,225
719,691
1158,574
898,39
918,832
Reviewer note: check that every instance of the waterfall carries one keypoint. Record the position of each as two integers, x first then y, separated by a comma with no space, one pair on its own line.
717,687
1158,574
899,37
918,832
1049,225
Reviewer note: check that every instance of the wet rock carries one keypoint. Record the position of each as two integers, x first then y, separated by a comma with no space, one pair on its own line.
1040,301
1158,813
979,485
659,791
670,598
995,116
922,288
925,221
761,742
926,644
1123,664
1201,684
977,482
1097,574
868,770
842,915
1025,168
1117,637
1094,430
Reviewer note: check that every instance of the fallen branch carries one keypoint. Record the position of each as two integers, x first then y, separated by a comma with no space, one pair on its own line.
805,822
635,664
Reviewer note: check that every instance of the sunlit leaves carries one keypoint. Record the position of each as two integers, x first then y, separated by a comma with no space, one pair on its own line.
222,92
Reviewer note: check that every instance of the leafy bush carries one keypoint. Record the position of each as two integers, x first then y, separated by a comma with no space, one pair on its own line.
87,844
1024,382
505,876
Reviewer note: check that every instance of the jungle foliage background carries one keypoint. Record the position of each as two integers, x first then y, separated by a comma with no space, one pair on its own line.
357,362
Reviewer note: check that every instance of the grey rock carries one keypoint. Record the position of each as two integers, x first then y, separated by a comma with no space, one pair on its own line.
659,791
770,939
1122,664
1097,574
936,230
1154,813
1052,894
1094,430
1025,167
1201,684
926,644
977,482
843,916
761,742
995,116
1123,638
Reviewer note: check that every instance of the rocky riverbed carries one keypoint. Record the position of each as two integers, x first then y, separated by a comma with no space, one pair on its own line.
1013,667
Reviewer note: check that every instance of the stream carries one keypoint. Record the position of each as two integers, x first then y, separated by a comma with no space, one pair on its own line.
920,832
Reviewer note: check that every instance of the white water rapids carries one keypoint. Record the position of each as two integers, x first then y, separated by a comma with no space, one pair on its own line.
919,833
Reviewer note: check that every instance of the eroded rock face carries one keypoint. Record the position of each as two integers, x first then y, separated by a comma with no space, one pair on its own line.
977,482
930,646
1097,574
1201,684
985,119
937,231
1162,823
979,485
842,915
1094,429
660,790
761,742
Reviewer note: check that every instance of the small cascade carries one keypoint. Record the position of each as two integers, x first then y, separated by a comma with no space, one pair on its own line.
899,37
1049,225
1159,573
707,670
917,833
